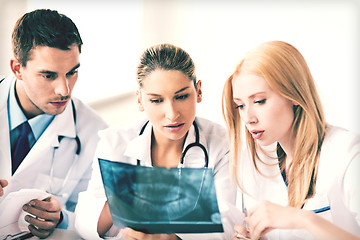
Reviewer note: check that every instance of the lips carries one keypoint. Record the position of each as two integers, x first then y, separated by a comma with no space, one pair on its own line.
174,127
256,134
59,103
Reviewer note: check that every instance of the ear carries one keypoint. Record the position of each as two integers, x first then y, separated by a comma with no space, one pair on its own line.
15,66
141,107
198,91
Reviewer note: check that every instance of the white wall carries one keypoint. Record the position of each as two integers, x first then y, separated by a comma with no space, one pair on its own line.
217,34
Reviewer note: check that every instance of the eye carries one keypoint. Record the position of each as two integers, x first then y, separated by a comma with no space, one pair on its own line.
159,100
49,76
182,97
72,73
261,101
241,106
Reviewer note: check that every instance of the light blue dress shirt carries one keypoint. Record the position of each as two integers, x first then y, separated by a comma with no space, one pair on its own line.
16,117
38,125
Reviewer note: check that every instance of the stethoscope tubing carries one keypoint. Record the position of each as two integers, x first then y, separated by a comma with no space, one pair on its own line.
188,147
77,153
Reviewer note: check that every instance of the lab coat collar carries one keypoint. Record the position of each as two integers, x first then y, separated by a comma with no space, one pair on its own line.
140,146
62,125
64,122
5,155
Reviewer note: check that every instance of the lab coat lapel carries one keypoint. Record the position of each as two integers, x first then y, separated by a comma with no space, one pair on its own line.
140,147
62,125
195,157
5,155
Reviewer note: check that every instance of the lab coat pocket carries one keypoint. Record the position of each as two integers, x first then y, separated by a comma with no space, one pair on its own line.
59,188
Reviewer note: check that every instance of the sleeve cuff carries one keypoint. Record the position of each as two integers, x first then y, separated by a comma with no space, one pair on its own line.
64,220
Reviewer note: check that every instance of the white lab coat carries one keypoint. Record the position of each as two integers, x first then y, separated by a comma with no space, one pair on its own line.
34,171
125,145
337,184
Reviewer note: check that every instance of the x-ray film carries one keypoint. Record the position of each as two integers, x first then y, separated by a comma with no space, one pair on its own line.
161,200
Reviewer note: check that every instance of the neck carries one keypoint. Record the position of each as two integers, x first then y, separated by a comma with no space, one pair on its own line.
166,153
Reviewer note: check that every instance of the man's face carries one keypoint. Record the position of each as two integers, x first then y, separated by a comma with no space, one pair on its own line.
47,81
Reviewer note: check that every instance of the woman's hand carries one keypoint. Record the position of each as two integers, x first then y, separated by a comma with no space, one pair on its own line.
240,232
46,216
131,234
267,216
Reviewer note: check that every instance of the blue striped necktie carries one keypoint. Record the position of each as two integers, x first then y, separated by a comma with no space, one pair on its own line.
21,146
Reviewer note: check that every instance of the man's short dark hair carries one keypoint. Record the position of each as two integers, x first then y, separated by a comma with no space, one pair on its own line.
43,27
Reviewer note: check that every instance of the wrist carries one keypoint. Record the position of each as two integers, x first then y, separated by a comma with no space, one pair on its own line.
306,219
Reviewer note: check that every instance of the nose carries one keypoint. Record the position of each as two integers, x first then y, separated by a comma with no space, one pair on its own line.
249,116
171,111
62,87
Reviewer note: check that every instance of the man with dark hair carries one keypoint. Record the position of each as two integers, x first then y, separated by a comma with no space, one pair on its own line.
47,138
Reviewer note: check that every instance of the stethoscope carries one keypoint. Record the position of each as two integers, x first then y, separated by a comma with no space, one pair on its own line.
187,148
77,153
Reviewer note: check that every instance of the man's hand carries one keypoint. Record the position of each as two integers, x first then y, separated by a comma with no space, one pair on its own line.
3,183
46,216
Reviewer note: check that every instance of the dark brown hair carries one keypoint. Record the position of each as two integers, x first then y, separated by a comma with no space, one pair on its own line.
43,27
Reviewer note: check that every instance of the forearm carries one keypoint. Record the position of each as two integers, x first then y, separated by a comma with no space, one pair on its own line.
323,229
105,220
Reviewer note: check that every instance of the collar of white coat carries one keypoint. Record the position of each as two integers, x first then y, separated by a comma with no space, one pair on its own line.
144,141
62,125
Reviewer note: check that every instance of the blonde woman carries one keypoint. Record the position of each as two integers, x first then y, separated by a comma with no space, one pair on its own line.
298,175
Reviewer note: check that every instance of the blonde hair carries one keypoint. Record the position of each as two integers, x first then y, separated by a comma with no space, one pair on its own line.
286,72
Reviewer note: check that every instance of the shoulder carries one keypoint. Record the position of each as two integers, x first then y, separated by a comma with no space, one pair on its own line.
340,140
339,149
123,132
86,117
5,84
210,128
212,134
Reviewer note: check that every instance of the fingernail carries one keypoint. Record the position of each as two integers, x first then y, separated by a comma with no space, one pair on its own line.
25,207
32,203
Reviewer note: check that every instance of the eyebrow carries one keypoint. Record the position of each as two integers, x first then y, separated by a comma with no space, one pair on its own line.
74,68
251,96
179,91
51,72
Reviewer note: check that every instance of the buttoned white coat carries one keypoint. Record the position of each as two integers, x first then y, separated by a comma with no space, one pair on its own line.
124,144
337,197
34,171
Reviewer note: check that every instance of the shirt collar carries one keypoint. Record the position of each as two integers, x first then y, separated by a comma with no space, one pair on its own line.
16,116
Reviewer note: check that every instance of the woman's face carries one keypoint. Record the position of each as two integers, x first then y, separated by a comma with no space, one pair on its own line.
267,115
169,99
